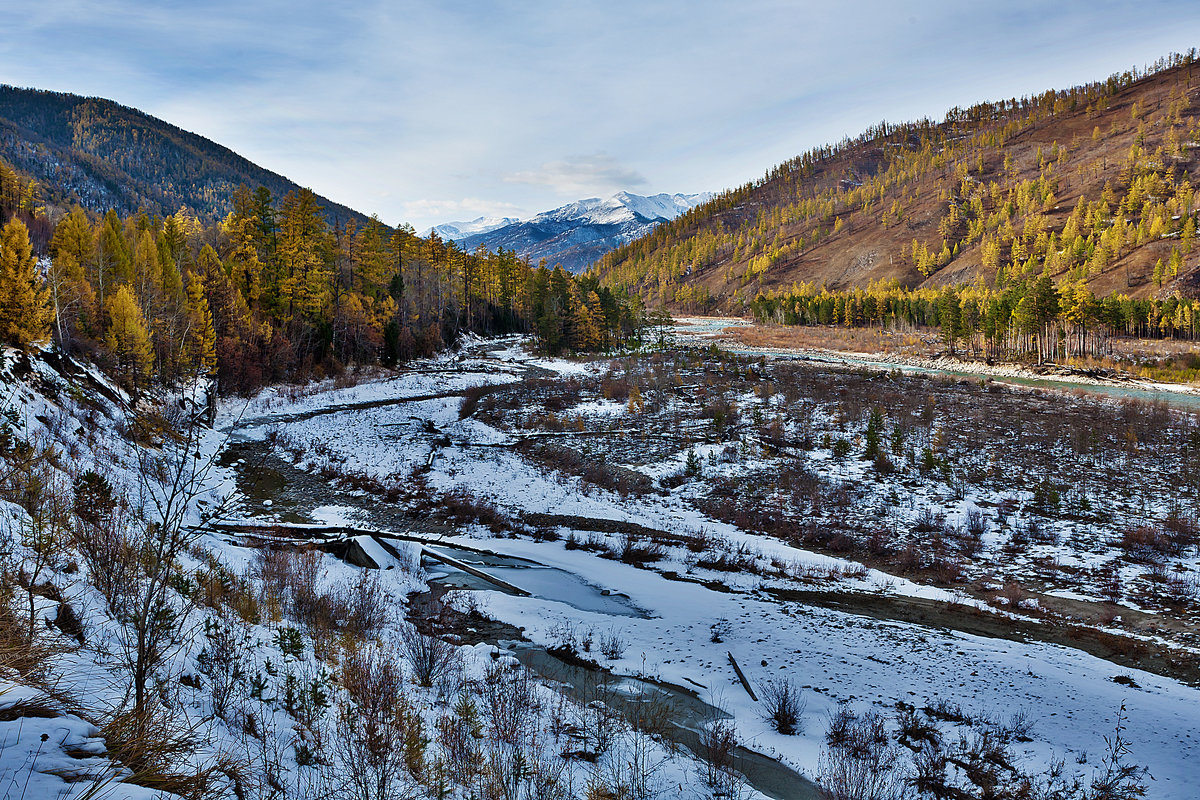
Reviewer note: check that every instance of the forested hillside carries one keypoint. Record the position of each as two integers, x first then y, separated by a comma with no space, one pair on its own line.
102,155
270,292
1092,185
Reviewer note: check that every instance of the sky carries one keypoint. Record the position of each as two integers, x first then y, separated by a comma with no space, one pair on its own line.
428,112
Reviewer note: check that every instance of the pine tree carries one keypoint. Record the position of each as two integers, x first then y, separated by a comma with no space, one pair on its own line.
1188,235
874,434
24,302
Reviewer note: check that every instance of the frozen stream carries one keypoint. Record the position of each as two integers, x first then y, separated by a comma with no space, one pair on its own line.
682,715
684,712
838,658
546,583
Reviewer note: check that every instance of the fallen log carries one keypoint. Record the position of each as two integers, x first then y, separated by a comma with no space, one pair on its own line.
742,677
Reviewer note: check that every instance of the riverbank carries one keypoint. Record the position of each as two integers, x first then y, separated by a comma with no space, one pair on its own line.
744,337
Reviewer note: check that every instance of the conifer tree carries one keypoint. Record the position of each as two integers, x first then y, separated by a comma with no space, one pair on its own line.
73,238
584,331
147,268
128,339
200,343
24,302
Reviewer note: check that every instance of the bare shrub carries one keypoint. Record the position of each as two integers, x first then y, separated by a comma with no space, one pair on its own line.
365,604
273,568
976,523
470,399
612,644
928,521
1117,778
915,728
461,505
784,705
303,573
718,751
510,703
1182,529
1019,726
105,549
380,739
640,551
1147,544
859,762
435,662
20,649
1013,593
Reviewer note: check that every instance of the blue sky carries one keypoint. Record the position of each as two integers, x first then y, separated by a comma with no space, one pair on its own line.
429,112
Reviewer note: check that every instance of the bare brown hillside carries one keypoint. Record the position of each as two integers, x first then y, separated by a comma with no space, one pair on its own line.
1092,183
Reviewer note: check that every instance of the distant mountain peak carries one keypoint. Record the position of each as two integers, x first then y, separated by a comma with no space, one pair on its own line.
457,231
578,233
624,207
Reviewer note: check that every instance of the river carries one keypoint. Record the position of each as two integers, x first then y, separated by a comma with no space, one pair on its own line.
708,330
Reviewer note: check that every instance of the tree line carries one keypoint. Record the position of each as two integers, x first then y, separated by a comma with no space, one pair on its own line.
274,291
1030,318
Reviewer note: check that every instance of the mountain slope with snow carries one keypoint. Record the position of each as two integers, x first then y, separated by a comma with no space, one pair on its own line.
577,234
457,231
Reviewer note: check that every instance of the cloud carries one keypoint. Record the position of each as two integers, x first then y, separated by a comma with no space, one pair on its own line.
378,102
577,176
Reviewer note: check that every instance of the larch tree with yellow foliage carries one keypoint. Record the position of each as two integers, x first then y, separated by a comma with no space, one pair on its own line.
24,302
200,340
128,339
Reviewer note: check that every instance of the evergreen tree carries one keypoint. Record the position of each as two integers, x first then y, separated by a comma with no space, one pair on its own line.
73,239
949,318
874,434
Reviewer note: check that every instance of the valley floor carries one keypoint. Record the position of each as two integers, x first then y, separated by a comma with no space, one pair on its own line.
924,352
1006,579
783,614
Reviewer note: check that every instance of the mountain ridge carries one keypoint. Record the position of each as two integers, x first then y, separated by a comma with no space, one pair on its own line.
103,155
989,193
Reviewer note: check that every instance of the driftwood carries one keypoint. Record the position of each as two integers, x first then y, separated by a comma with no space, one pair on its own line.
742,677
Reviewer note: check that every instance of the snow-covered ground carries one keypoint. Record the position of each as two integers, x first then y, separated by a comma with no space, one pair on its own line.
839,658
664,620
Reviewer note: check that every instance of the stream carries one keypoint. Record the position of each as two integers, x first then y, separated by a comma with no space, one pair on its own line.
545,583
272,487
681,715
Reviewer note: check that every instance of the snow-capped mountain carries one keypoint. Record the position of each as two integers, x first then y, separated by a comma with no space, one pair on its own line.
457,231
577,234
